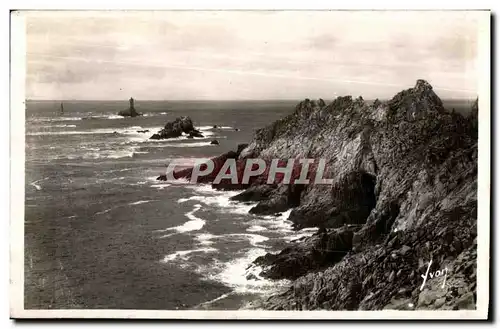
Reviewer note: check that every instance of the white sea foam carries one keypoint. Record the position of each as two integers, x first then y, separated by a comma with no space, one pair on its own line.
183,254
215,299
194,223
114,116
37,186
205,238
235,273
120,154
130,131
97,153
254,239
72,132
221,201
104,211
153,114
55,119
160,186
60,126
256,228
141,202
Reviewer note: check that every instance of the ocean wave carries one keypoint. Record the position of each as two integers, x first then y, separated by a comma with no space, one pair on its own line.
114,116
256,228
55,119
183,254
205,238
141,202
119,154
194,223
105,116
281,225
37,186
59,126
254,239
116,131
305,232
205,128
160,186
221,201
243,276
153,114
97,153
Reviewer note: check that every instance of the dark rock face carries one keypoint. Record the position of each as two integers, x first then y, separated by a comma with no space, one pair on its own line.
176,128
311,254
255,193
404,178
195,133
241,147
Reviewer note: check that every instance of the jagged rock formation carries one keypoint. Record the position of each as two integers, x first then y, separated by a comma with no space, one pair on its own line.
415,165
404,192
176,128
311,254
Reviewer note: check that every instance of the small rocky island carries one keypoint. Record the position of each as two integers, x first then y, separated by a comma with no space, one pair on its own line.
176,128
131,112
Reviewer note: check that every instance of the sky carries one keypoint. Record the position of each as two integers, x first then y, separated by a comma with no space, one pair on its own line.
224,55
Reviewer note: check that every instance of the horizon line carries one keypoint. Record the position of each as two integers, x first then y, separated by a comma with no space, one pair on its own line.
220,100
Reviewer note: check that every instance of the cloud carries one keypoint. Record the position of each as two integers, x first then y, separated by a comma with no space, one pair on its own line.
248,55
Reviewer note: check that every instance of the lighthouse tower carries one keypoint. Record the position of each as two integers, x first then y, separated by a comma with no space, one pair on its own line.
131,103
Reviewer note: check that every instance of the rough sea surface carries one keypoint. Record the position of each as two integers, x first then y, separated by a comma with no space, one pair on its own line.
101,232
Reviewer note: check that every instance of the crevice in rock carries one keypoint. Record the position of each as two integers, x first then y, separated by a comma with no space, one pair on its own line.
294,193
384,225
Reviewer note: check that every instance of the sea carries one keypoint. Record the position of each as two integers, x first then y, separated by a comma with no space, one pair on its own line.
102,233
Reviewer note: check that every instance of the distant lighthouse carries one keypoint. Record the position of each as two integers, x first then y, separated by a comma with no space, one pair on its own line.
131,112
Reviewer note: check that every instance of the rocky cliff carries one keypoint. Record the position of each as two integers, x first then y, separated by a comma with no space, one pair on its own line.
404,193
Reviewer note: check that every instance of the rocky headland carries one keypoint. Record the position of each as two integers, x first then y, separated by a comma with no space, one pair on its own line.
404,194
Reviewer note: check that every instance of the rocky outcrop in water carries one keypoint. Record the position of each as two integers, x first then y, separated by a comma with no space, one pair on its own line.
131,111
404,193
176,128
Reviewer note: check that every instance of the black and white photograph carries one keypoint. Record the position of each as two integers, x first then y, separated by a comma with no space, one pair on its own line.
256,164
